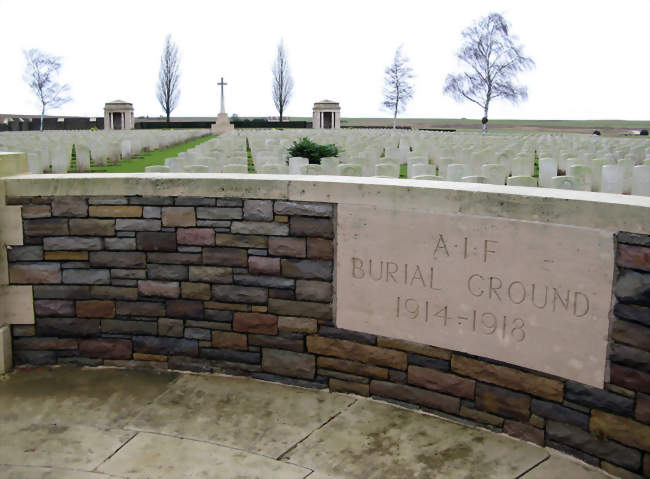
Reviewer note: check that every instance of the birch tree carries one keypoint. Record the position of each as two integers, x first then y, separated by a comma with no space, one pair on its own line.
282,88
492,60
398,90
168,89
41,71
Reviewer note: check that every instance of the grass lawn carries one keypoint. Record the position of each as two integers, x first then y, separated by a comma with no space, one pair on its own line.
138,163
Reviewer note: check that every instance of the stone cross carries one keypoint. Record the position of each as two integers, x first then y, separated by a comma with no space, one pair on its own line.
222,84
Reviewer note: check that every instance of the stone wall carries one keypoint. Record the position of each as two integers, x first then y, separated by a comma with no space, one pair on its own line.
244,286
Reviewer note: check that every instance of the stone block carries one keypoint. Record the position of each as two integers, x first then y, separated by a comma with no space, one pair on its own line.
303,209
282,293
442,382
67,327
633,312
481,417
211,274
229,202
225,256
525,432
630,378
319,248
118,326
184,308
106,348
69,206
195,236
156,241
196,291
193,201
72,243
287,246
170,327
35,273
95,308
313,227
241,241
239,294
53,307
174,258
281,218
642,410
206,323
598,398
167,272
634,334
412,347
263,281
557,412
119,244
206,213
183,216
502,402
107,200
339,333
115,259
151,212
288,363
306,309
320,291
197,333
184,363
23,330
56,344
258,210
231,356
345,349
414,395
92,227
582,440
633,256
217,305
86,276
624,430
36,211
337,385
293,343
115,211
24,253
508,377
66,256
46,227
259,323
631,287
307,269
128,273
292,324
137,225
161,289
352,367
139,308
259,228
229,340
36,358
263,265
61,292
165,346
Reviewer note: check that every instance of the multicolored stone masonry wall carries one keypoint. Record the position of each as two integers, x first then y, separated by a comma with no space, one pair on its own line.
244,286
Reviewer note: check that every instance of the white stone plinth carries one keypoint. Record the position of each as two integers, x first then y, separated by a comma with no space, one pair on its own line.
222,125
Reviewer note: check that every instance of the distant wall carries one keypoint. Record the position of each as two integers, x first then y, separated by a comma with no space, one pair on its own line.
50,123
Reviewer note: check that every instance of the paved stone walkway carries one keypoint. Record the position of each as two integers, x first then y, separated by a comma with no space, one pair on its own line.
72,423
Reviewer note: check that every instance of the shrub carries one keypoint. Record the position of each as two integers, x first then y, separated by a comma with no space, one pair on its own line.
306,148
596,132
643,133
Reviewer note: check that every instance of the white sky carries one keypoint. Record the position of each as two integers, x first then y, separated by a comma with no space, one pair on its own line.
592,56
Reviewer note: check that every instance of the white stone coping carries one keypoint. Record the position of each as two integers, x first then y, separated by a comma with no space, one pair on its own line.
609,212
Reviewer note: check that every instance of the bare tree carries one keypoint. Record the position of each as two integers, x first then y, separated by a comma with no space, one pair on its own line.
40,74
493,60
169,76
282,80
397,87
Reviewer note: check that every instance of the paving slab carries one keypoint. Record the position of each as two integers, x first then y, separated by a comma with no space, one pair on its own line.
375,440
564,467
74,447
27,472
153,455
100,397
256,416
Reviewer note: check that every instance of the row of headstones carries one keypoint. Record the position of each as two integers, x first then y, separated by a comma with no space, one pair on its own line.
51,151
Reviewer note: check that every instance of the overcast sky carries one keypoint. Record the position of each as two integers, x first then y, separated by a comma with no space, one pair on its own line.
592,56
